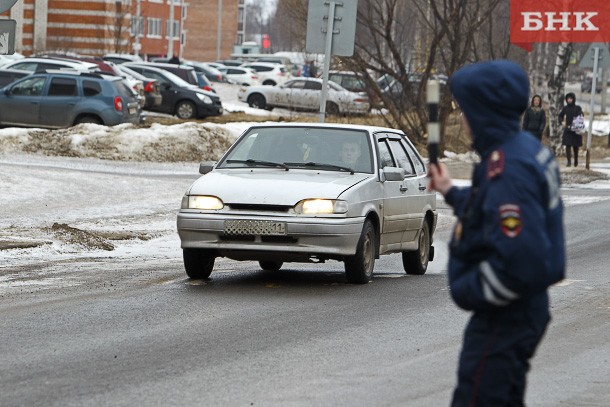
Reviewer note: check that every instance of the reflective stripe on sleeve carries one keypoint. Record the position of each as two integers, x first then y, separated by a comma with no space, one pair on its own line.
494,282
490,296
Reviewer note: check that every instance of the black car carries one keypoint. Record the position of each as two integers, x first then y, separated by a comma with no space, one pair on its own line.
184,72
152,90
11,75
180,98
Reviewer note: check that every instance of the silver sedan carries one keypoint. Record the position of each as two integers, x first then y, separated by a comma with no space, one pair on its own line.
305,94
304,192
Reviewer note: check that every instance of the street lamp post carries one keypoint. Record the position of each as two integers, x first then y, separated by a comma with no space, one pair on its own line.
219,30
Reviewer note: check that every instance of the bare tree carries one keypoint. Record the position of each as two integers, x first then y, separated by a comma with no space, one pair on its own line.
556,90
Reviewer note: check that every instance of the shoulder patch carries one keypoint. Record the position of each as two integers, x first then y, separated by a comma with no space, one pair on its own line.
510,220
495,164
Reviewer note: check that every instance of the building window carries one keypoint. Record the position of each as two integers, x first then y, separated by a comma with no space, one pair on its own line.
176,30
240,39
154,27
135,27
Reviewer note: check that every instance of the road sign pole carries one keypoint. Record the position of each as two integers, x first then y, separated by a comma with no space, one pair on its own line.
327,55
591,108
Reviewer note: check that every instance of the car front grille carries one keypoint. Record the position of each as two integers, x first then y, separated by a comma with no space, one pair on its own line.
259,208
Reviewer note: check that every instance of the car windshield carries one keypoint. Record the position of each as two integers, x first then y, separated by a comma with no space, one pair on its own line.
314,148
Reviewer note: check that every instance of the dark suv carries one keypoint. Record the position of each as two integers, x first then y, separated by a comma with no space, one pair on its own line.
59,99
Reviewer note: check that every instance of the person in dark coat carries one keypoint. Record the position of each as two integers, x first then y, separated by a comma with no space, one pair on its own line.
174,60
508,244
534,119
570,139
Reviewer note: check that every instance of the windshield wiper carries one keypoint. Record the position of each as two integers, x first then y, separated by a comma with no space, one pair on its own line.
250,161
322,166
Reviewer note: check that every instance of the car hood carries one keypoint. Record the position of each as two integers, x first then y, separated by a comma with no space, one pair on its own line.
274,186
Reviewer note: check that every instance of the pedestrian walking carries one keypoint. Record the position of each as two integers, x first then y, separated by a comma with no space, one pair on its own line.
507,246
572,119
534,119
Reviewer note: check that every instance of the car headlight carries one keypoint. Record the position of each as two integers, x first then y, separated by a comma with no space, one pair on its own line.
321,206
204,202
205,98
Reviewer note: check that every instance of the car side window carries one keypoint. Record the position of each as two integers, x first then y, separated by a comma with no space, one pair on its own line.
62,87
91,88
29,87
420,168
26,66
296,84
233,71
401,157
385,157
311,85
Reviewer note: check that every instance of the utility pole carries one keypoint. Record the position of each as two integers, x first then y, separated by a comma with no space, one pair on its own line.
219,30
136,44
170,31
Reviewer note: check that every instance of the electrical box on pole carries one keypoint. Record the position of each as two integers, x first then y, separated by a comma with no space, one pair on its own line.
331,29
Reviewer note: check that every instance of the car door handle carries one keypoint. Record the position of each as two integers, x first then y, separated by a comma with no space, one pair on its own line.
422,188
403,188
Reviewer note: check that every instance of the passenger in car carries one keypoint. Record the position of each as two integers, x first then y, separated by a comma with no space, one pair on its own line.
350,153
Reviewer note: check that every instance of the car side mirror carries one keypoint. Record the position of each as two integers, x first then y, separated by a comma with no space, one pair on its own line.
206,166
393,173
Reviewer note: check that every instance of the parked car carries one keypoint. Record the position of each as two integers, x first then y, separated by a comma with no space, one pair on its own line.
405,98
121,58
11,75
180,98
152,90
587,84
305,94
210,72
43,64
354,82
62,99
242,76
305,192
230,62
185,72
269,73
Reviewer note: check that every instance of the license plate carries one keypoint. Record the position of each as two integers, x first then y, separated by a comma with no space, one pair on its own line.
254,227
132,110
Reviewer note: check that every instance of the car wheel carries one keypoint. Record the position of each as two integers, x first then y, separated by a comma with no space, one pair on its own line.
257,100
88,119
332,109
416,262
271,265
269,83
198,263
359,267
185,110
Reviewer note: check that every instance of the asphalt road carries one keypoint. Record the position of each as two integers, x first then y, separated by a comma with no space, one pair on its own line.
135,331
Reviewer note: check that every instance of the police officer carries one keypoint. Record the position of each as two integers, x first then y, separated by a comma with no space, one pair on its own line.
508,243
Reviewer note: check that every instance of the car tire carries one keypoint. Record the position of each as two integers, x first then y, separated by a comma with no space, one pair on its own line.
271,265
416,262
198,263
269,83
332,109
88,119
359,267
186,110
257,101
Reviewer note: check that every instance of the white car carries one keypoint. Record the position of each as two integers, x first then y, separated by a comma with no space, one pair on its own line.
44,64
269,73
242,76
305,94
310,192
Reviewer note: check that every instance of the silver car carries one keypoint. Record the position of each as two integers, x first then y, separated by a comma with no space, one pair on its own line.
304,192
305,94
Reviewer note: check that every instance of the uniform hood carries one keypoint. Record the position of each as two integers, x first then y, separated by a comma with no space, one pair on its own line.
492,95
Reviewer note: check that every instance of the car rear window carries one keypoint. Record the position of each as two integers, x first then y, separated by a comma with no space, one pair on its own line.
91,88
122,89
62,87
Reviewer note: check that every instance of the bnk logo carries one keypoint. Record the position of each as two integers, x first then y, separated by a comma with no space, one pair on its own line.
562,21
559,21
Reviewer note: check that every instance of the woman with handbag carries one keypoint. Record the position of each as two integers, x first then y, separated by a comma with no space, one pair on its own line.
572,119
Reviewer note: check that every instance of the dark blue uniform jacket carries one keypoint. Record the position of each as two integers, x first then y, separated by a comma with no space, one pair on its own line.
508,245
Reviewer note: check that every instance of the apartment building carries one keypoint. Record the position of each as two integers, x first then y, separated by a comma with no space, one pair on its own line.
96,27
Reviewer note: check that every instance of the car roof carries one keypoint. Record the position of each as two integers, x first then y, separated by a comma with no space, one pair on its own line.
56,59
88,75
372,129
164,65
268,64
18,71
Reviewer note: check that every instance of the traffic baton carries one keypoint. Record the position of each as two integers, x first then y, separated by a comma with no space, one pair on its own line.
433,97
